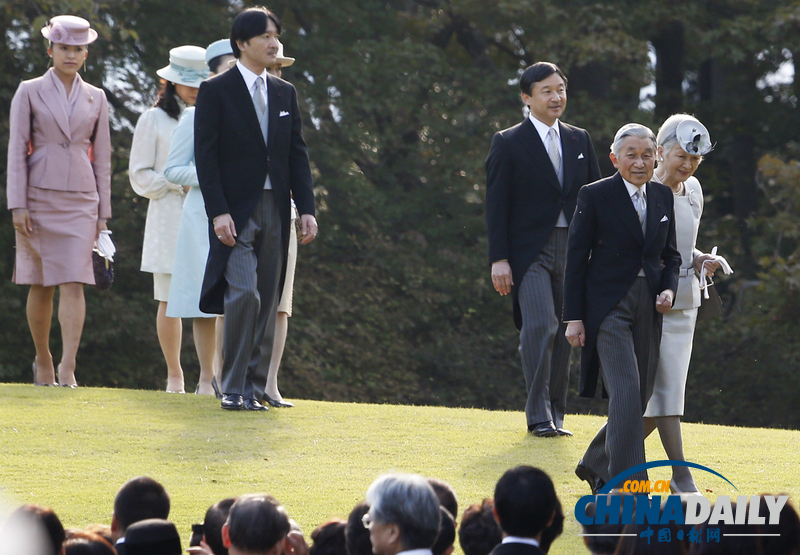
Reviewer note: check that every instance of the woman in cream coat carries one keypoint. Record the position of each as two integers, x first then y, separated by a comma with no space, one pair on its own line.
149,151
59,163
682,142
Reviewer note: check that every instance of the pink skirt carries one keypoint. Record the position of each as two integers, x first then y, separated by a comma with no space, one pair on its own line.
60,247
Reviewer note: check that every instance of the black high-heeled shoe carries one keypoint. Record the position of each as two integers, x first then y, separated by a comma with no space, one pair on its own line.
37,383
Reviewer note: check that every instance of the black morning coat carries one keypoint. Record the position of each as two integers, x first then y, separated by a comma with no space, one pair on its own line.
232,164
605,251
524,197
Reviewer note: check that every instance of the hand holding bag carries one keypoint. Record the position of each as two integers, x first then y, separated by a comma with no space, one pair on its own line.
710,301
102,261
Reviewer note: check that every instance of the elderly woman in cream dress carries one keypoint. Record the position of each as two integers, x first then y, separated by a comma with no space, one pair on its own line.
149,151
192,243
682,143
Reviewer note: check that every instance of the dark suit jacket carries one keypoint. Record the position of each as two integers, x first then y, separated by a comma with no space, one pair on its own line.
524,197
606,250
232,164
516,549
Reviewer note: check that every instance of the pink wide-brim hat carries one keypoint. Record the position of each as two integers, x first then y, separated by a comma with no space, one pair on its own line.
70,30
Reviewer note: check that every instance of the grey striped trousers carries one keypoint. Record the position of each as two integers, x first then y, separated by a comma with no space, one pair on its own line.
253,274
628,348
542,345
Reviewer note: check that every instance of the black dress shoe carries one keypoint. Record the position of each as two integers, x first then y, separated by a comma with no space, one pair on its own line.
253,404
278,404
231,402
543,429
563,432
588,475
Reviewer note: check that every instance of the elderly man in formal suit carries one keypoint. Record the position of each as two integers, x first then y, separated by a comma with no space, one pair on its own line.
404,515
533,173
621,275
251,159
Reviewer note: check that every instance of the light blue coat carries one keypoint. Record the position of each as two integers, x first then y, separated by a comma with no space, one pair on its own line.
191,252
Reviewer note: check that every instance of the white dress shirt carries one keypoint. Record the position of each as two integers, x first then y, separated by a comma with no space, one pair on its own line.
543,130
416,552
517,539
250,80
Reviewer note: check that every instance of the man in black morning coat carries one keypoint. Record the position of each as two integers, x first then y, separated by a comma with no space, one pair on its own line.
621,276
250,157
533,173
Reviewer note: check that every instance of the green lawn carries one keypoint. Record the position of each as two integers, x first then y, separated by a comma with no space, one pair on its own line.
72,449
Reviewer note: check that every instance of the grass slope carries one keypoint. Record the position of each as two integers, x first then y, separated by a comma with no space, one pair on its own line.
72,449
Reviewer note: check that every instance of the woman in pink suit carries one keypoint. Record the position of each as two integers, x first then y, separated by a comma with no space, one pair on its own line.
59,162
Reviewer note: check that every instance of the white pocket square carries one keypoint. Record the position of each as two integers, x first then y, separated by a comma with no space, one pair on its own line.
282,114
664,219
580,156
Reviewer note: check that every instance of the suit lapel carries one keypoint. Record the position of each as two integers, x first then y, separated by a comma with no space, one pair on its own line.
533,144
569,148
81,105
274,109
621,202
50,96
654,213
244,102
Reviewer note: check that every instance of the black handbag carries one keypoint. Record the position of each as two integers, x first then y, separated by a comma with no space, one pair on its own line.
712,306
103,271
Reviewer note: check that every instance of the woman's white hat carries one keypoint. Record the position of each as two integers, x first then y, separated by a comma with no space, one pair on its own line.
70,30
221,47
187,66
693,137
282,60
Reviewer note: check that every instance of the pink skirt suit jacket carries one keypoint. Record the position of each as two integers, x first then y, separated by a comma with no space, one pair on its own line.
59,165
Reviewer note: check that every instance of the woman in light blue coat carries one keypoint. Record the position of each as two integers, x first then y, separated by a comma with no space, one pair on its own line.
191,251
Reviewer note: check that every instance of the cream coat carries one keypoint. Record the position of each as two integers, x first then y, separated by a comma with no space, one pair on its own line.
49,150
688,211
149,153
677,333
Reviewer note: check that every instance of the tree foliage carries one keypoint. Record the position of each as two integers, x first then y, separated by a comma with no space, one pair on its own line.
393,301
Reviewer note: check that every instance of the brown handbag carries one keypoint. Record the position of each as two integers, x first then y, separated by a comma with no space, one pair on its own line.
712,306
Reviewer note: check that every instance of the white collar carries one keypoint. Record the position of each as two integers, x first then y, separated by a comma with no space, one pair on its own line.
416,552
543,129
250,77
633,188
517,539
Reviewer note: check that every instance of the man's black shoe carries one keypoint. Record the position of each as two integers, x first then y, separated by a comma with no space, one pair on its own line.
543,429
231,402
252,404
587,474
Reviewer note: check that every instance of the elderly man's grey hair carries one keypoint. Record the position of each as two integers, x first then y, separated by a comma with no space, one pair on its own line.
631,130
408,501
668,133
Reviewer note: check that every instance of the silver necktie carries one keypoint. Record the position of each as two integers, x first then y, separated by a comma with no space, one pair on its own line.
641,207
555,156
261,106
258,96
